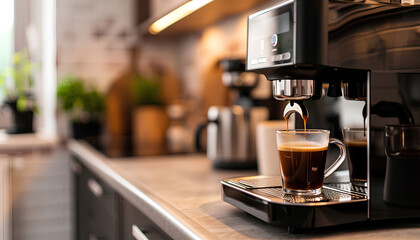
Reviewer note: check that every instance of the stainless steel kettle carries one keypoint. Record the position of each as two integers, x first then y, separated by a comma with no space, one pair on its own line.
231,136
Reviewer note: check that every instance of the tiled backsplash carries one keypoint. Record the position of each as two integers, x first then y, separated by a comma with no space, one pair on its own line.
92,42
92,38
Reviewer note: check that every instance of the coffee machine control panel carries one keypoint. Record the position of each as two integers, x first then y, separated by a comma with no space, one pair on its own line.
270,37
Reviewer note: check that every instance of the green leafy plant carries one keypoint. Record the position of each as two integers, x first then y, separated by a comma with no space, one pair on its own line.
82,103
18,90
147,91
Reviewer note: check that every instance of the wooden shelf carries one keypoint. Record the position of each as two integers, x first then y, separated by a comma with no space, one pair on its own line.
206,16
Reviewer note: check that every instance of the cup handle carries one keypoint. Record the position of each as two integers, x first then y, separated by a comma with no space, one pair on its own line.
340,158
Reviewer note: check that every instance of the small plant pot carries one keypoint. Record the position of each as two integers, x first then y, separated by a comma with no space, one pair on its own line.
22,121
89,129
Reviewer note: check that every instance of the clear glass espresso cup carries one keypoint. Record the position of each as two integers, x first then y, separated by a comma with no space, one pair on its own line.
303,154
355,140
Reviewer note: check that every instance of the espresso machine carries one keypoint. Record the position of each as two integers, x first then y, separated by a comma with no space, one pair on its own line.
363,51
231,130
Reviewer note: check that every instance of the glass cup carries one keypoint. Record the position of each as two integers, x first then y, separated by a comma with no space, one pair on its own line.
402,148
302,159
356,145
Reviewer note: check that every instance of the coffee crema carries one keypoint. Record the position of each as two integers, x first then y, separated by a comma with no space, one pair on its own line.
303,165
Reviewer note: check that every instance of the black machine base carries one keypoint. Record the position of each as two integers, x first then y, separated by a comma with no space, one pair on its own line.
263,197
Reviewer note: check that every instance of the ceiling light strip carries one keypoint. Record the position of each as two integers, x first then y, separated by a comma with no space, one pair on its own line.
176,15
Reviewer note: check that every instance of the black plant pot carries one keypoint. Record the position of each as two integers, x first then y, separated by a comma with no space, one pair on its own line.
89,132
86,130
23,120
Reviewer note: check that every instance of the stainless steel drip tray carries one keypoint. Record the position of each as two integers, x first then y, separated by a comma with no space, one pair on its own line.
263,197
269,188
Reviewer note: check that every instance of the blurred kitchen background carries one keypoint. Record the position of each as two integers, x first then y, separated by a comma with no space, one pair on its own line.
93,70
108,46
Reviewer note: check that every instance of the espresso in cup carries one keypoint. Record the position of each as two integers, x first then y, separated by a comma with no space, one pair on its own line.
303,154
356,144
357,152
303,165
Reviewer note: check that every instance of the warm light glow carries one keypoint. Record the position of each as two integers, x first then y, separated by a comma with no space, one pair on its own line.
176,15
403,140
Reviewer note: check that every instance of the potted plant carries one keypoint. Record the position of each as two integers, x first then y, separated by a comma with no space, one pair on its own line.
84,106
16,84
150,120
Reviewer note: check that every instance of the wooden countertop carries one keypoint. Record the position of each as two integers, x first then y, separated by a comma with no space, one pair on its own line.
182,194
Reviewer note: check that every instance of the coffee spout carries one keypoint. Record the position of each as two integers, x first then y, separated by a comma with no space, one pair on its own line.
295,107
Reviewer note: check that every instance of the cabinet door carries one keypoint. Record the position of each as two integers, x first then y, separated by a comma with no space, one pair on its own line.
80,206
40,195
102,204
137,226
4,198
96,207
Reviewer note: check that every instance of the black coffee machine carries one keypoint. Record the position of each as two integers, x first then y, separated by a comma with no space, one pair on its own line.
352,51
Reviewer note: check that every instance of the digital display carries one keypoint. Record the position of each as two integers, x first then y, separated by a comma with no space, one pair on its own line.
271,38
269,26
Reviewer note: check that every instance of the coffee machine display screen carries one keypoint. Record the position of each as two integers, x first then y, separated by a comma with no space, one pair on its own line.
267,27
270,38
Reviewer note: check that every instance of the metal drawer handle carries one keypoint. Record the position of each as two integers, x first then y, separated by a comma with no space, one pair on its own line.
137,233
95,187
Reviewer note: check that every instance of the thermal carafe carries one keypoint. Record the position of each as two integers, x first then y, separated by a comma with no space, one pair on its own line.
231,136
231,130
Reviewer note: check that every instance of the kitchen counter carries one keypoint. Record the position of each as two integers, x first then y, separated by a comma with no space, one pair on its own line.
21,143
182,194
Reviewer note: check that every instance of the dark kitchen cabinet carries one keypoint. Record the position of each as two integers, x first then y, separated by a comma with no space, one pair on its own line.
96,206
137,226
102,214
79,194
